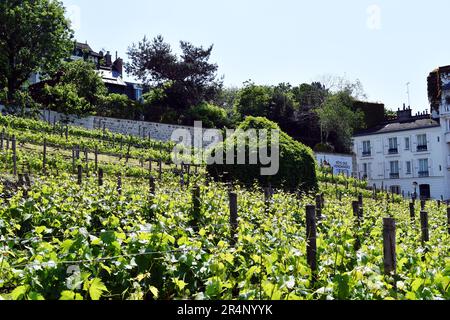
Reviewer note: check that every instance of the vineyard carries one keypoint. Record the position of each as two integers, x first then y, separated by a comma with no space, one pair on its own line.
92,215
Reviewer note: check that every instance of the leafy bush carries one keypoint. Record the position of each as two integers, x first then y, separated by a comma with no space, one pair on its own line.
297,163
324,147
118,106
211,115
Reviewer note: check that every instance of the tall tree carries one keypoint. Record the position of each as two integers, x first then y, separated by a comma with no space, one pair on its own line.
188,80
76,89
337,118
34,36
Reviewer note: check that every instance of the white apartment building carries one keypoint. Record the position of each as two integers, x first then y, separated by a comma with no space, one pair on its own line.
408,155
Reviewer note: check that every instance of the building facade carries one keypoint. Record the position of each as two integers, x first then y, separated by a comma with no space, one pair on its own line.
406,156
111,71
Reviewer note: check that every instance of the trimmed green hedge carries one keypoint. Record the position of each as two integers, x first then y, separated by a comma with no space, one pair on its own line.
297,162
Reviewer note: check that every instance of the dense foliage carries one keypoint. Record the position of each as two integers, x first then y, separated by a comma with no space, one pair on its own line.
297,165
34,37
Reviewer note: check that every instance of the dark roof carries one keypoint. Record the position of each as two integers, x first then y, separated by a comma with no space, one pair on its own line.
395,126
84,46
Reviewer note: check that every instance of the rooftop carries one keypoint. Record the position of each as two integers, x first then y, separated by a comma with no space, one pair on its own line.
405,121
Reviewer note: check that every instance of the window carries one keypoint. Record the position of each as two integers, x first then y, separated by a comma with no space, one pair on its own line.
365,170
423,168
407,143
395,172
408,167
422,142
393,149
366,149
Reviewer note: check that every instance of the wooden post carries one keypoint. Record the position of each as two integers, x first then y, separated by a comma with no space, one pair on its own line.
423,203
439,203
2,136
96,158
119,184
73,159
448,219
355,207
160,169
412,211
319,207
233,217
389,244
361,214
67,133
360,200
311,236
44,159
27,180
86,159
80,174
424,225
195,207
100,177
14,155
152,186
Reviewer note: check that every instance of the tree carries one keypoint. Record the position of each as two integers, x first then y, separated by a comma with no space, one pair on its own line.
34,37
76,89
254,100
337,117
211,116
337,84
187,80
118,106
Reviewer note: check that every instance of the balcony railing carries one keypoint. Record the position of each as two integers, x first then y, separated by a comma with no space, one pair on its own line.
395,175
366,153
424,174
393,151
422,148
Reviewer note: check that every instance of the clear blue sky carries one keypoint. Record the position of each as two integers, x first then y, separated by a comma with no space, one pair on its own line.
383,43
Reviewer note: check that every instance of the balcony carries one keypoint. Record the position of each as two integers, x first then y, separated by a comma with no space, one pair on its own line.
393,151
424,174
366,154
422,148
395,175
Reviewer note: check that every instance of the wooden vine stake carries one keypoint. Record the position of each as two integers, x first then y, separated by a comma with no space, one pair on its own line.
360,200
119,184
355,208
389,244
152,187
14,155
424,226
448,219
412,211
311,236
2,137
233,217
195,207
80,174
44,159
319,207
100,177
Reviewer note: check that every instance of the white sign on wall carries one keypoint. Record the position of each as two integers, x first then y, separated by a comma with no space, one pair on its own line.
340,163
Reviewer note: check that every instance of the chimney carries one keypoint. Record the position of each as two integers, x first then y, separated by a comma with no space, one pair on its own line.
404,115
118,66
108,59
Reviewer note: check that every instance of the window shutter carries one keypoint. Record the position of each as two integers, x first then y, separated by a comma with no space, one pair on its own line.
430,167
378,146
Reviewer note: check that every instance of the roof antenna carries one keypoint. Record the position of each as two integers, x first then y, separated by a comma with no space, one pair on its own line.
409,96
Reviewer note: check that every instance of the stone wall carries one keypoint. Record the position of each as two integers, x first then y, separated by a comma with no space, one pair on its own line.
156,131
